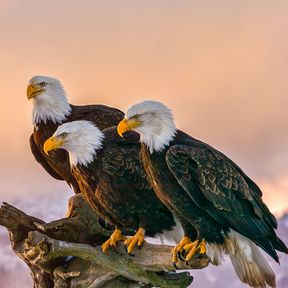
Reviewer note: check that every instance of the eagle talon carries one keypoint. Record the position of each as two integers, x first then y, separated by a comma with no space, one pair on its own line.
178,249
202,247
138,239
112,241
195,247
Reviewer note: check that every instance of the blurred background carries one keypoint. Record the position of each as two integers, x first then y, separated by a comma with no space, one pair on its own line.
220,65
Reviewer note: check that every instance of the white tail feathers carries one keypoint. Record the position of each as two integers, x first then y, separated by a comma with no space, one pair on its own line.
215,253
248,262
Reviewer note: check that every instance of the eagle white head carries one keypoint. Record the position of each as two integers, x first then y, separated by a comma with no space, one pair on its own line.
49,100
153,121
80,138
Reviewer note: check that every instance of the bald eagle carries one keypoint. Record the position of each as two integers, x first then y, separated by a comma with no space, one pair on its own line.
111,179
50,109
208,192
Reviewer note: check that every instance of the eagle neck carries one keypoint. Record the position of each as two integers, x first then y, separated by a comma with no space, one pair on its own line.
47,108
84,150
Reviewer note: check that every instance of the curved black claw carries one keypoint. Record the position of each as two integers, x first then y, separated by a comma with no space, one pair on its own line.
175,265
181,256
114,249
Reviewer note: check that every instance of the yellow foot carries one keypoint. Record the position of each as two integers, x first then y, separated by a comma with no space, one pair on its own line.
138,239
194,247
177,250
112,241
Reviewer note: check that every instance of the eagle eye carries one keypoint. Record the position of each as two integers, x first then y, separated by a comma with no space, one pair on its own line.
63,135
42,84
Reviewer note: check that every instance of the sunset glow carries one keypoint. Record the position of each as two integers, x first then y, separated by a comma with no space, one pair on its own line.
220,65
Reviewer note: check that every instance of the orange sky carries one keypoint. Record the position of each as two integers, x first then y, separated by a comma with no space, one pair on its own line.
220,65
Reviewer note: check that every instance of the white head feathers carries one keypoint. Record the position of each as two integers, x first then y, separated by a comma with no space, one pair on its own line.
157,126
52,104
82,139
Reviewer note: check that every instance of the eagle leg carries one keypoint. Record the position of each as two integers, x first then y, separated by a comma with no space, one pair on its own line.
112,241
177,250
138,239
192,248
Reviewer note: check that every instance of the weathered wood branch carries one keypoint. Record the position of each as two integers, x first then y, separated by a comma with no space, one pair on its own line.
67,252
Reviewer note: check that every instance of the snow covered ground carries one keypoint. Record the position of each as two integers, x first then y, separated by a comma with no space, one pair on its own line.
51,207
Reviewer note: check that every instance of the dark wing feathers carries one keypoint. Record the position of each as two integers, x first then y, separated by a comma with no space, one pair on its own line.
103,116
216,185
124,162
217,178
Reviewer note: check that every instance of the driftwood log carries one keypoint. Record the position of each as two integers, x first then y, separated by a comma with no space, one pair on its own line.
67,252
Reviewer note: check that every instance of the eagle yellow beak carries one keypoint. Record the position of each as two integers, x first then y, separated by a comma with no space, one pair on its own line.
52,143
33,91
127,125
